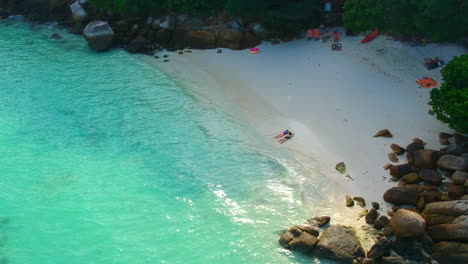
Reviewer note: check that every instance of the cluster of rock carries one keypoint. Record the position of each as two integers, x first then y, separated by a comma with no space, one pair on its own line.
428,222
334,242
431,201
171,31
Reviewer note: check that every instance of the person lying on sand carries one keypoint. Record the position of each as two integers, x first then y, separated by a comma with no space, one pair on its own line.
286,138
282,134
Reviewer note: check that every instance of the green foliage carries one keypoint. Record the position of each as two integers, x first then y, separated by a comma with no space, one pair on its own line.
450,101
437,19
247,9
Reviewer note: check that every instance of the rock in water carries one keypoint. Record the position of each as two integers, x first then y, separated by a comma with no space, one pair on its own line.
300,237
319,221
406,223
383,133
78,12
339,243
99,35
55,36
341,167
401,195
397,149
349,201
452,163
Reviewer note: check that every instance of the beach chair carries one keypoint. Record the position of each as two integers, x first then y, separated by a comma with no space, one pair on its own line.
316,33
310,34
336,36
427,82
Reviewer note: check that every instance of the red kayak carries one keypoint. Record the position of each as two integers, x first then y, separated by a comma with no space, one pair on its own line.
371,36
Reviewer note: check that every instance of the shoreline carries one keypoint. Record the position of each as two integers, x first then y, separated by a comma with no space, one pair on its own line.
300,84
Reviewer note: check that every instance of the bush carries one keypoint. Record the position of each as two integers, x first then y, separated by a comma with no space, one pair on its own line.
450,101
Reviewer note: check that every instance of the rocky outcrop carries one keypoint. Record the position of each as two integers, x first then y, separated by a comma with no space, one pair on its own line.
99,35
201,39
401,195
425,159
380,248
450,252
339,243
449,232
319,221
460,177
78,12
301,237
406,223
453,163
430,176
450,208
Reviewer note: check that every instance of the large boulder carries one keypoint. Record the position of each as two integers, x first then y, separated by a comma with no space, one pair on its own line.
137,45
415,146
399,171
456,191
450,208
430,176
460,177
401,195
450,252
383,133
339,243
380,248
318,221
78,12
460,139
452,163
425,159
449,232
371,216
300,237
99,35
406,223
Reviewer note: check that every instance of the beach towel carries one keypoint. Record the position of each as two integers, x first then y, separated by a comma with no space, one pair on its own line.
427,82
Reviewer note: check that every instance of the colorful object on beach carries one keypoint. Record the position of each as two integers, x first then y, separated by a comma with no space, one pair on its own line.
336,36
427,82
371,36
313,34
254,50
431,64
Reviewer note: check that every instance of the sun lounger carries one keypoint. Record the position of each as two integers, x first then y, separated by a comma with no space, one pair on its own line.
427,82
310,34
316,34
336,36
336,46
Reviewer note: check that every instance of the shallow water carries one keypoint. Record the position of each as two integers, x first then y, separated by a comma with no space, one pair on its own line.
104,159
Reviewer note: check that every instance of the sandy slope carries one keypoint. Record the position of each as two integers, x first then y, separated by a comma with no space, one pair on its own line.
334,101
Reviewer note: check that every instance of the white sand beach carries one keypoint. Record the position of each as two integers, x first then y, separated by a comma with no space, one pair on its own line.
335,101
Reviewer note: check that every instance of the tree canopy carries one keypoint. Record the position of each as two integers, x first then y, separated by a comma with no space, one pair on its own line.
450,101
439,20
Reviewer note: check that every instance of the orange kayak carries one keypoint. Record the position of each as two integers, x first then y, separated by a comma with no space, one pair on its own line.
371,36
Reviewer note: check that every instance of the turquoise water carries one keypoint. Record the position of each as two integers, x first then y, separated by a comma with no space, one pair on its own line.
103,159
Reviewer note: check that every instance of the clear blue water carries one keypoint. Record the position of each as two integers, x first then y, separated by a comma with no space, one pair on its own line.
103,159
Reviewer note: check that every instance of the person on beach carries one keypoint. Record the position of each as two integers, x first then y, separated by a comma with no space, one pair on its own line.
282,134
286,138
